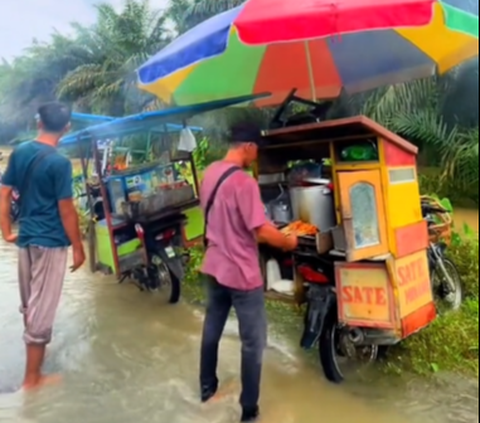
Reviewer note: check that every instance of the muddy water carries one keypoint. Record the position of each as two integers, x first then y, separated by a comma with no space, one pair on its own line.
127,357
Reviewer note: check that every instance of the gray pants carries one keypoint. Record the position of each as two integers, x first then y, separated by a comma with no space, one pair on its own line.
41,272
250,309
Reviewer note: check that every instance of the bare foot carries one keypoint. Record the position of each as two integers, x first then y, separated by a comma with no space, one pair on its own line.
44,380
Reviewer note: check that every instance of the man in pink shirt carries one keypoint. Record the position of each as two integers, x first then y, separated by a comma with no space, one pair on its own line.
235,222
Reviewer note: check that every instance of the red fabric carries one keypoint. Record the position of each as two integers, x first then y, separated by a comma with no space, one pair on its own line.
271,21
278,76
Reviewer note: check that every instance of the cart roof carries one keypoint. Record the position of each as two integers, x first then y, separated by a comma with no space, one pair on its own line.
156,121
337,129
111,128
91,119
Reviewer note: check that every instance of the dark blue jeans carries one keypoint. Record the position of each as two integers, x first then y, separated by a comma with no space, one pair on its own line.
250,309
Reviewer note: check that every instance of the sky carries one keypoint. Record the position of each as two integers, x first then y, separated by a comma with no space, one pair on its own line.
23,20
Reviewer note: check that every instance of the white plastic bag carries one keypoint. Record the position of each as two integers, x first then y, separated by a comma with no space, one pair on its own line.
273,273
187,140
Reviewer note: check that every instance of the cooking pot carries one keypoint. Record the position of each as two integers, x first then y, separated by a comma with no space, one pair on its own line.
315,205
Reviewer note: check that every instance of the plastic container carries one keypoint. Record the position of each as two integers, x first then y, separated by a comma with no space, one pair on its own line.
273,273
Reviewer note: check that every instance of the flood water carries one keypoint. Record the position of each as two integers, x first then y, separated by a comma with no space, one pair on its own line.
127,357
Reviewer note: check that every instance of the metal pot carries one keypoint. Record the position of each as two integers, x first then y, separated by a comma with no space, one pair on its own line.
314,205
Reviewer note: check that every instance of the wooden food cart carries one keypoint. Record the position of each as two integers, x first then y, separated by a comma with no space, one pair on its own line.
364,275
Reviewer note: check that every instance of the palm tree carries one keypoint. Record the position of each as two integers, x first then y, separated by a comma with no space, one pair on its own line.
105,81
213,7
185,14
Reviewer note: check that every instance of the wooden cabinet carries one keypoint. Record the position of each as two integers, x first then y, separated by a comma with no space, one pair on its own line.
362,208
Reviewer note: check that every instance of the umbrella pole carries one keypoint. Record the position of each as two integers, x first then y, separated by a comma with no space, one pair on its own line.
310,71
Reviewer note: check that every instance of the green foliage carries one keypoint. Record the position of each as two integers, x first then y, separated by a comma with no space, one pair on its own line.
113,49
450,343
206,153
208,8
93,68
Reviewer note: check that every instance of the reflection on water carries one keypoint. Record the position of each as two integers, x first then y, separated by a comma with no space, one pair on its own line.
127,357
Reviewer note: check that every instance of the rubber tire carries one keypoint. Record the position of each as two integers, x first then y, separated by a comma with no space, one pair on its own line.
451,266
326,348
176,289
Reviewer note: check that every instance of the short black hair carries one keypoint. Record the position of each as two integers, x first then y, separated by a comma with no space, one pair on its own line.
54,116
245,132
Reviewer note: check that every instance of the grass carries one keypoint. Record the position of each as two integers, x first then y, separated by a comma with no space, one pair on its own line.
451,342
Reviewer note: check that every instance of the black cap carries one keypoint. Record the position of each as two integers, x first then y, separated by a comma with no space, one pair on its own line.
246,132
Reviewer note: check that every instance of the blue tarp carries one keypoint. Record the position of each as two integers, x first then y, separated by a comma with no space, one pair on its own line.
150,121
88,118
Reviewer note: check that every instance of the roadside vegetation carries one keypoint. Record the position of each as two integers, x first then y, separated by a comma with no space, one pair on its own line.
93,67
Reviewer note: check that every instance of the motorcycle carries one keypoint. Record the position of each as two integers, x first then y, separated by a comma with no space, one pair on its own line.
164,264
446,281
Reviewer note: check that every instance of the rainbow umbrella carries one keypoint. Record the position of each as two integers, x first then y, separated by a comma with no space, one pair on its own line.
318,47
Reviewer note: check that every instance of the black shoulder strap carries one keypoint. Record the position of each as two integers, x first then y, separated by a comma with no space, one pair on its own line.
210,201
27,176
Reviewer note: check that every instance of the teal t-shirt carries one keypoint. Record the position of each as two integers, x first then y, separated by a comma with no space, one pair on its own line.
51,181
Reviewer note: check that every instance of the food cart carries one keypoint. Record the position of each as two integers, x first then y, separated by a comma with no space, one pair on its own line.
138,207
350,187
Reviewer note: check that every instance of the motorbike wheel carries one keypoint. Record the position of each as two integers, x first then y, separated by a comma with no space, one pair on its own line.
167,280
175,291
331,351
447,286
327,348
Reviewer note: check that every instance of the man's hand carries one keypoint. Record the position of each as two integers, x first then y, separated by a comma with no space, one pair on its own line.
291,242
78,257
10,237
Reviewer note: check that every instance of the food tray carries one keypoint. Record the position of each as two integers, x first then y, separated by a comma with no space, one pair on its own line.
322,242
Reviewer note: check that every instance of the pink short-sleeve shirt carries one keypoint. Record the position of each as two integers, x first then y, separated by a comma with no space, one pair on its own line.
232,253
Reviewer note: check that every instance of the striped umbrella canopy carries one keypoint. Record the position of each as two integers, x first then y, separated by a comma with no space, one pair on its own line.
319,47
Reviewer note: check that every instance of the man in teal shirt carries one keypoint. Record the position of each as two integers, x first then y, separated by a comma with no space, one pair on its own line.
48,225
